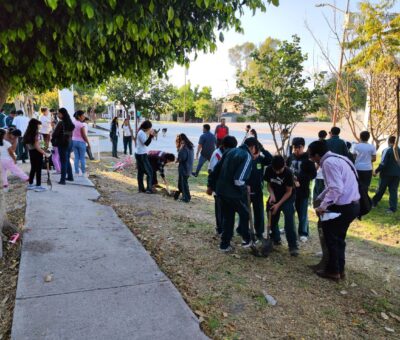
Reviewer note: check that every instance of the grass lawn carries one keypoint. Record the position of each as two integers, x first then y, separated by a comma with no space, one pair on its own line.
227,292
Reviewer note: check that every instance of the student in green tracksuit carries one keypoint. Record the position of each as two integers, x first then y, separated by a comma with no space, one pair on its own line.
230,176
389,170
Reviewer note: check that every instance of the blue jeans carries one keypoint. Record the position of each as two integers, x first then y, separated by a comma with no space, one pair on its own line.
79,148
288,211
200,164
301,205
66,169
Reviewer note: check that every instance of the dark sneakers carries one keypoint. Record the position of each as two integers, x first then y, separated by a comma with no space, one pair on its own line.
294,252
176,195
227,249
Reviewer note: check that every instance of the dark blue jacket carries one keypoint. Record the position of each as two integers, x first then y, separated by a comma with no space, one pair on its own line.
389,166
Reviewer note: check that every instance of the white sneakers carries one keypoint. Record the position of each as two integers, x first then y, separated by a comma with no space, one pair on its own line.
303,239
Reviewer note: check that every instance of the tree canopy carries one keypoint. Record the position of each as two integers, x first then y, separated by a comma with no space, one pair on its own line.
45,43
278,91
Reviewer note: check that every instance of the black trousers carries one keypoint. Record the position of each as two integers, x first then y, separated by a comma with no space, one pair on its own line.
144,167
335,231
218,215
230,206
127,144
114,141
183,188
36,167
365,177
257,200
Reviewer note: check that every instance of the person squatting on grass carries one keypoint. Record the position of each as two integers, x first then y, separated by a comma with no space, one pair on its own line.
281,198
227,143
389,176
158,160
341,196
185,160
32,141
205,148
9,161
144,137
304,172
261,159
229,180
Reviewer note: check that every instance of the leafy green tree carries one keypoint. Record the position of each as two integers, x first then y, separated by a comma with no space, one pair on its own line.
44,43
376,40
48,99
282,98
246,67
184,101
126,92
160,98
240,55
358,91
205,109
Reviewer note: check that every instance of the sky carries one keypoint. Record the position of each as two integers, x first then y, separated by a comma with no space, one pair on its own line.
280,22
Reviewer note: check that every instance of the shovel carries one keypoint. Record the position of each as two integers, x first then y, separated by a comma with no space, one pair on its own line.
266,243
265,246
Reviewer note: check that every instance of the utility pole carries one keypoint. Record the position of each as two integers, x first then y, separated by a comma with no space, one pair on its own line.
184,96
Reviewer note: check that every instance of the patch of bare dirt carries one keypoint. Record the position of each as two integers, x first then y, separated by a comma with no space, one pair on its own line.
9,264
227,291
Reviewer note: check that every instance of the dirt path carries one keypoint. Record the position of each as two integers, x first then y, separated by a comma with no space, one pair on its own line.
226,291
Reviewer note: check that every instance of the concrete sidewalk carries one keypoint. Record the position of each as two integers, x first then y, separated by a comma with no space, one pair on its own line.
102,282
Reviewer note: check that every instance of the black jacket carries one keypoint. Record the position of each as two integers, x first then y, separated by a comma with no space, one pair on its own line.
231,173
304,171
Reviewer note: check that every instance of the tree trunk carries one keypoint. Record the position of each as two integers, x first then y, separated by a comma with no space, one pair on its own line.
396,145
4,88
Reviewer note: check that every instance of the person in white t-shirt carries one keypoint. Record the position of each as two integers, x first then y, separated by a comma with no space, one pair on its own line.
143,139
127,135
365,155
8,161
45,130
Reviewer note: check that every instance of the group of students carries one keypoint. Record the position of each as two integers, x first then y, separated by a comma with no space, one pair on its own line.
33,137
150,162
237,175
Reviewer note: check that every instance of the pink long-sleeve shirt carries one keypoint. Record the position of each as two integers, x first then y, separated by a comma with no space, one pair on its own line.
341,185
